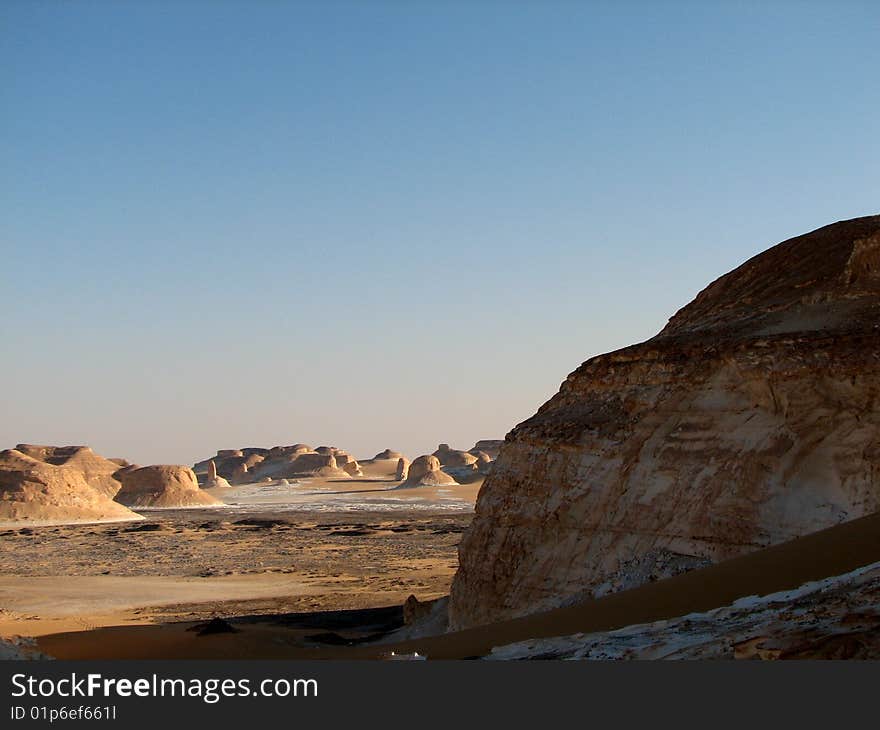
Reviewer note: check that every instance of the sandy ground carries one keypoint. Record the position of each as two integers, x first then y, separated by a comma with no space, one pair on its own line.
275,548
783,567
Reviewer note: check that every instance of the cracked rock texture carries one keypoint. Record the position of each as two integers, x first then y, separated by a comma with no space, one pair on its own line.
750,419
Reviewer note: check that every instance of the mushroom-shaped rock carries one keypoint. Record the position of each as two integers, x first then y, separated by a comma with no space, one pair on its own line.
425,471
162,485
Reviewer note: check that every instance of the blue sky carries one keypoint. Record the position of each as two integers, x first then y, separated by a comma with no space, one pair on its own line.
389,224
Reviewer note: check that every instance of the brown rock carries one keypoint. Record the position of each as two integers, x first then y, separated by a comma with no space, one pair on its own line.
752,418
415,610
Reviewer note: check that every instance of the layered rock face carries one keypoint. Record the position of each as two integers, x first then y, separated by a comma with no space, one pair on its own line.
161,485
38,491
752,418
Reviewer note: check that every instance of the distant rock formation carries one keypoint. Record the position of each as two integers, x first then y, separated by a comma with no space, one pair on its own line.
213,480
425,471
162,486
39,491
292,464
233,465
387,454
453,457
751,419
96,470
402,469
484,462
352,468
488,446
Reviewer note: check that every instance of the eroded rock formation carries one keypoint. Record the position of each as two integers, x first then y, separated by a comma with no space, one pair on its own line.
425,472
454,457
161,485
752,418
492,447
387,454
213,479
96,470
39,491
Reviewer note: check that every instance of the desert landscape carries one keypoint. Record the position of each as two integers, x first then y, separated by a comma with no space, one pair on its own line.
712,492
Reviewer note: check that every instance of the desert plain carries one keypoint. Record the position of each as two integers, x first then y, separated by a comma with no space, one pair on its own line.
712,492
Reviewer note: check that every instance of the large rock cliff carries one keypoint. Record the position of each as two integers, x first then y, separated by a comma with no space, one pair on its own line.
752,418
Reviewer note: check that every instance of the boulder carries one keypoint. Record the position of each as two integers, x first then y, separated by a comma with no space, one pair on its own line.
352,468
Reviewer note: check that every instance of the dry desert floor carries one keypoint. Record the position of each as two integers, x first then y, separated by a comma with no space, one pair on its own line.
305,547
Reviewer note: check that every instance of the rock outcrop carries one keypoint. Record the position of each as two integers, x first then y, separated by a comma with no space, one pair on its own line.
292,465
162,486
483,462
213,479
425,472
402,469
454,457
234,465
96,470
42,492
492,447
752,418
387,454
352,468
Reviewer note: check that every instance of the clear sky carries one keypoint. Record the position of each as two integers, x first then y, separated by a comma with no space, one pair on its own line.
390,224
